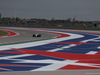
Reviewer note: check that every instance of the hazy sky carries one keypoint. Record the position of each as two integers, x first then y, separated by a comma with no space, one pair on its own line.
58,9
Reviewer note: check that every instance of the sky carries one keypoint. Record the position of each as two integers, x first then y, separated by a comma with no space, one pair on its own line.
86,10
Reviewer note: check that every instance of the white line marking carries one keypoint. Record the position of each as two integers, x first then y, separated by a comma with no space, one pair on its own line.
56,65
15,56
92,52
58,49
99,47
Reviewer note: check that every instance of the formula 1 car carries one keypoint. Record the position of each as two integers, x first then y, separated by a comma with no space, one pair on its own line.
36,35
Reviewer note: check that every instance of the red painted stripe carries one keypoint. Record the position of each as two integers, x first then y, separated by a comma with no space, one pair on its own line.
19,65
98,53
62,35
69,56
10,33
93,61
77,43
76,67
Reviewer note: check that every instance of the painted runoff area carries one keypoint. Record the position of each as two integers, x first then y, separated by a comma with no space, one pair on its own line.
73,50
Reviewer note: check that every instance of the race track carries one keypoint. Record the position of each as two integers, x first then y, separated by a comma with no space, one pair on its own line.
56,50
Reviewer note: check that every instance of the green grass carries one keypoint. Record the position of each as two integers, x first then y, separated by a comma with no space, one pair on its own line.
2,33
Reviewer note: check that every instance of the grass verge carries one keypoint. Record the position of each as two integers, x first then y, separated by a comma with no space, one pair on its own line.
2,33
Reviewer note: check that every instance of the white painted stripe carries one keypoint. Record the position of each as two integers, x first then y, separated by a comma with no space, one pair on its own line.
40,61
15,56
92,52
86,64
64,47
93,39
55,66
99,47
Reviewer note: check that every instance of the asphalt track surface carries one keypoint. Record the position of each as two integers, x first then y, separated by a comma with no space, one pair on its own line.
25,35
57,52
